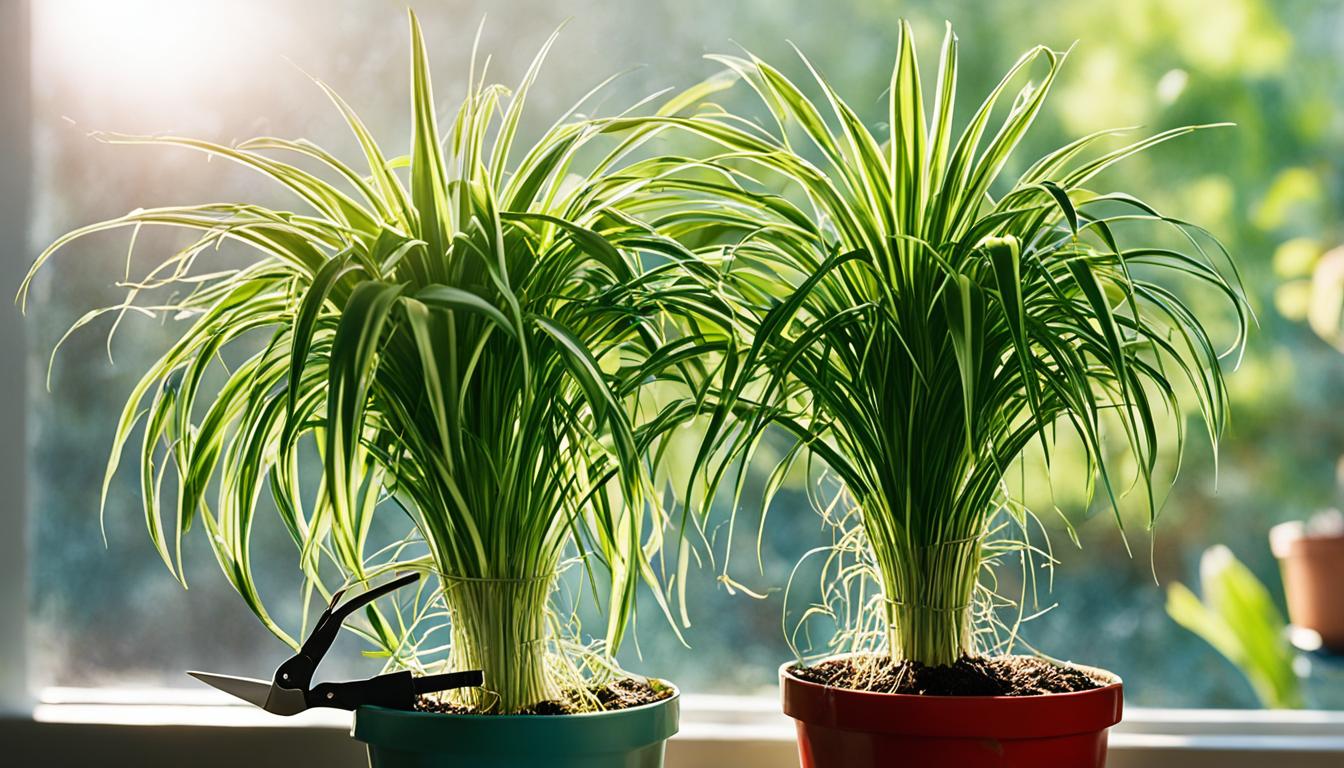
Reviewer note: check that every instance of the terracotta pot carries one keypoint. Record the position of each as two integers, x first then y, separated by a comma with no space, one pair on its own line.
1313,580
841,728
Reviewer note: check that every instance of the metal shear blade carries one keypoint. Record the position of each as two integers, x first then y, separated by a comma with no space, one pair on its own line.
248,689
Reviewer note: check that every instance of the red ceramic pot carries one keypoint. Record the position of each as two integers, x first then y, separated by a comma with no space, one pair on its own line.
841,728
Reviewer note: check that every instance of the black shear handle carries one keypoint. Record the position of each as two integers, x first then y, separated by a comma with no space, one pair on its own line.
329,625
298,671
396,690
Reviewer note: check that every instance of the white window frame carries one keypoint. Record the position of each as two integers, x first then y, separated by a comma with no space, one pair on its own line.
169,728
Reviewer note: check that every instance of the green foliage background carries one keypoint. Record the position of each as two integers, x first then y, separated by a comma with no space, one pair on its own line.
1269,188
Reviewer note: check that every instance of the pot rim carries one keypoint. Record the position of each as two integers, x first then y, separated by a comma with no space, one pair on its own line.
785,672
676,696
1292,537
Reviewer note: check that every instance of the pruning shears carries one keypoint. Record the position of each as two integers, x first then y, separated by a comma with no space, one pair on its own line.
291,689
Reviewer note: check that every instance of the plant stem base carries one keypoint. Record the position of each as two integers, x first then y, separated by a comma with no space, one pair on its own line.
500,627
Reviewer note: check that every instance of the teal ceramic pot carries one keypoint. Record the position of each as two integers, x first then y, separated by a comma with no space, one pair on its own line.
626,738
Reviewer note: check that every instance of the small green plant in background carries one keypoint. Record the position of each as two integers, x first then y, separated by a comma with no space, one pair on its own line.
916,320
461,337
1238,617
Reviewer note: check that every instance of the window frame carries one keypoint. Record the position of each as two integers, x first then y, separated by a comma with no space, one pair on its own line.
15,206
161,726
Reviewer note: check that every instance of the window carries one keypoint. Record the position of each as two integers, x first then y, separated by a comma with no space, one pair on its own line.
114,617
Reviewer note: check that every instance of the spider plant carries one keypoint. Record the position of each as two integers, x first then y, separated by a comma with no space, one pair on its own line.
917,320
462,335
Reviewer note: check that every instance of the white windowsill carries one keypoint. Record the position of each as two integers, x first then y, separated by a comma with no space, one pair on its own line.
741,731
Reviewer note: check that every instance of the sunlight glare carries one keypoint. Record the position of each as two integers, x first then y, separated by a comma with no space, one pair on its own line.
146,54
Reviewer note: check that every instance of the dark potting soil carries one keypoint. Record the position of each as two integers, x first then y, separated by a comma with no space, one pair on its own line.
624,693
970,676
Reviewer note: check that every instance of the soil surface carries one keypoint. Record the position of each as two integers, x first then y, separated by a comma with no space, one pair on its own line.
624,693
970,676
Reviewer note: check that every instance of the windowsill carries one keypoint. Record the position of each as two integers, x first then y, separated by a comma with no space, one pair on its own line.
715,731
703,717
